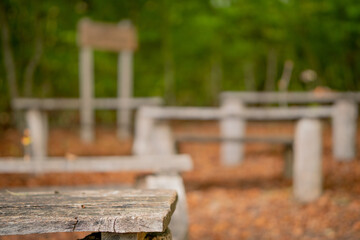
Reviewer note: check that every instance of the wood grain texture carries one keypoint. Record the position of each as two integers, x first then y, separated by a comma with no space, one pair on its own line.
122,211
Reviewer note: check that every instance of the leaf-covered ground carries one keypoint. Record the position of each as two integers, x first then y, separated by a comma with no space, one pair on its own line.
249,201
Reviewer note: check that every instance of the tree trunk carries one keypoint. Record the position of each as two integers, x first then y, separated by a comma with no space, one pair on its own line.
271,70
169,71
32,65
8,55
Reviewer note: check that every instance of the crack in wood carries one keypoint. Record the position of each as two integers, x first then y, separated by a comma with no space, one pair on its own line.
114,224
76,218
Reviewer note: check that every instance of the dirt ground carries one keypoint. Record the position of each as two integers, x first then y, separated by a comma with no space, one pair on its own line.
249,201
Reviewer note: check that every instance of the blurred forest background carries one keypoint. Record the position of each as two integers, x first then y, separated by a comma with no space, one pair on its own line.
188,52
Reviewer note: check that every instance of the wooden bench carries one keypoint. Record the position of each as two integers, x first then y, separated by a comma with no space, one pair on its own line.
153,135
343,112
163,172
151,123
120,214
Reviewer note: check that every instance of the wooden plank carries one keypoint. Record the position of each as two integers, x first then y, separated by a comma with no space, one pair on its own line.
183,113
287,113
291,97
212,113
154,163
106,36
122,211
74,103
207,139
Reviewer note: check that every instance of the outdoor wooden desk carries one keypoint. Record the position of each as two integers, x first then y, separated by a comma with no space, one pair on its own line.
117,214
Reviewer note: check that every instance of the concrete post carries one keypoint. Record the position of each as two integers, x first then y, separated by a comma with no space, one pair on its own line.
125,79
144,126
232,127
162,140
37,124
125,87
86,94
308,160
179,222
344,123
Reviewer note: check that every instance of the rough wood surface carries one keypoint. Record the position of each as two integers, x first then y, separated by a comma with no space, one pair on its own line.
123,211
155,163
106,36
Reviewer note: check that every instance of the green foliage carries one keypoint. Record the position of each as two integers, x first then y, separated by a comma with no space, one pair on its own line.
188,40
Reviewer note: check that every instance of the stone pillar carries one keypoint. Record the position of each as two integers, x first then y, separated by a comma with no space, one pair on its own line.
86,94
37,124
162,140
125,87
179,221
308,160
144,126
344,125
232,151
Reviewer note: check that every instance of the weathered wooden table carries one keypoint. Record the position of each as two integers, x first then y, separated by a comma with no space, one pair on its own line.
117,214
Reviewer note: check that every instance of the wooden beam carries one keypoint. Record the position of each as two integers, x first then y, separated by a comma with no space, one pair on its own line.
154,163
212,113
291,97
74,103
207,139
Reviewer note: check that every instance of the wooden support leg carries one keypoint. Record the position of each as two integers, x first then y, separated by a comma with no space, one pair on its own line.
344,123
288,164
232,151
166,235
122,236
179,222
308,160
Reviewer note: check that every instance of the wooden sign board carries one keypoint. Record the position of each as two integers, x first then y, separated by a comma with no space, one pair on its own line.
106,36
